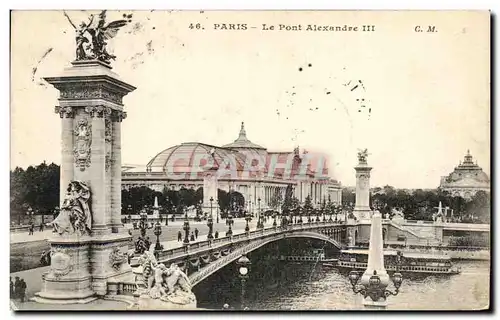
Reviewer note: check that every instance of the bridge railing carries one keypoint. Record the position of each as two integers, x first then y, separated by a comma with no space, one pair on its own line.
223,241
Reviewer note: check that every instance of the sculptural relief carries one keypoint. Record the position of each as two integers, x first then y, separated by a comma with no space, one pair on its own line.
158,282
75,216
83,141
60,262
64,112
117,258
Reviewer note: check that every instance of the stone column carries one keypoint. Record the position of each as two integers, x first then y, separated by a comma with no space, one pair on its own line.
100,196
85,257
114,162
67,158
362,209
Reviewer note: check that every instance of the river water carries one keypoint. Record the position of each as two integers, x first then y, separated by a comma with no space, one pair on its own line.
304,286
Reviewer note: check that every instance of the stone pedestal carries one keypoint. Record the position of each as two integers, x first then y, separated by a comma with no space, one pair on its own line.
144,302
362,209
91,111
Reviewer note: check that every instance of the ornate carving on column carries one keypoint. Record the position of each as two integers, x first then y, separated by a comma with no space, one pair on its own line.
89,91
64,112
60,263
116,258
98,111
83,143
108,137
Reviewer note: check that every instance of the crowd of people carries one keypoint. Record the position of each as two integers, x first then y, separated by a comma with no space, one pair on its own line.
18,289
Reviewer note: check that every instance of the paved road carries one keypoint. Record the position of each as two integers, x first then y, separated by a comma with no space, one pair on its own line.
25,250
168,232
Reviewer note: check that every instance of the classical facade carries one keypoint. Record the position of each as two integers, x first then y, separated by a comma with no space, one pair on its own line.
466,179
240,166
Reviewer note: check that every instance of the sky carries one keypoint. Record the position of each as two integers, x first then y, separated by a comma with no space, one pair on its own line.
423,99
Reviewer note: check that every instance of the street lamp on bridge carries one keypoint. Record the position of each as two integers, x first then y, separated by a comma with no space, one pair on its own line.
210,224
157,233
230,222
247,219
260,222
186,229
218,210
244,264
211,201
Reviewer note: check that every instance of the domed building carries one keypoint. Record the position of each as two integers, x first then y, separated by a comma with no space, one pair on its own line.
467,179
240,166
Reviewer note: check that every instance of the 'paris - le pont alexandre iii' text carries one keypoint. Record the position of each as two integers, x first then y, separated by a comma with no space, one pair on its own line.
286,27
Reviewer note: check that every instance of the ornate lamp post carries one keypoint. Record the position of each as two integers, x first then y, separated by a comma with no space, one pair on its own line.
244,264
30,213
210,224
218,210
375,289
143,222
317,212
374,281
186,229
247,218
260,223
230,222
211,201
274,220
157,234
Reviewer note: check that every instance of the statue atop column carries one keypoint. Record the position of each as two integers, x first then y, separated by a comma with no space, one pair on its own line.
91,37
362,156
75,215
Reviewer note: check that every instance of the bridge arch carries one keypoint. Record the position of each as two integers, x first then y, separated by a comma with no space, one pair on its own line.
215,266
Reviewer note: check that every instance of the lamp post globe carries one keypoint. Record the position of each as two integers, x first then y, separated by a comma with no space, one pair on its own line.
243,271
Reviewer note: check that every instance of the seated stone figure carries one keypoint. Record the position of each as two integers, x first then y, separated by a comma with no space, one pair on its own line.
75,215
159,282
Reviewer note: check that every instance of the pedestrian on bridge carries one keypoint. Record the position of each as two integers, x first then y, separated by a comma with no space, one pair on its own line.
216,234
11,288
31,229
196,233
192,236
179,236
41,226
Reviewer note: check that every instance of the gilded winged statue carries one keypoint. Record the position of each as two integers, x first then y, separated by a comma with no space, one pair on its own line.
91,37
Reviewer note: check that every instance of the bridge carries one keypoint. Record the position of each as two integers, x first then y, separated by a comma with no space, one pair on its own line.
204,258
201,259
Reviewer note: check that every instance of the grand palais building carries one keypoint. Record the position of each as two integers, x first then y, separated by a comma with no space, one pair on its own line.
241,166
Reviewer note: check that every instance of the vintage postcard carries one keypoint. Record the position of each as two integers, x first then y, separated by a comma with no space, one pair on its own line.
250,160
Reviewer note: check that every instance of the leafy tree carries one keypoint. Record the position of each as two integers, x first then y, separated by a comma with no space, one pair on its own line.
36,187
348,196
275,200
308,207
288,204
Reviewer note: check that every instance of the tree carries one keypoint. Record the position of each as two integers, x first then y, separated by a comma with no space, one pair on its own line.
308,208
36,187
348,196
276,199
287,202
